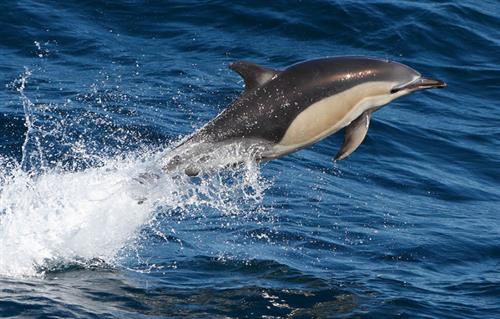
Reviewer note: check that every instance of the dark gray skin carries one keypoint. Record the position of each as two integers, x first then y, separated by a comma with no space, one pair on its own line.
272,99
265,112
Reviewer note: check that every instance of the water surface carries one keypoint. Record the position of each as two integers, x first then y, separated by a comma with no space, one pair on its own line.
94,93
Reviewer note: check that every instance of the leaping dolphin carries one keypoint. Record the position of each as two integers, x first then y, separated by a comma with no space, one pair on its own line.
280,112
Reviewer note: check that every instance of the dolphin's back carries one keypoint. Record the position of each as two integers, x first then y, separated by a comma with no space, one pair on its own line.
267,111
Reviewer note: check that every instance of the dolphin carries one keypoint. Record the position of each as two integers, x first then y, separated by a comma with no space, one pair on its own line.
283,111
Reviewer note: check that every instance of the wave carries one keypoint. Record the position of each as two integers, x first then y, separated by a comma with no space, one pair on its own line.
69,200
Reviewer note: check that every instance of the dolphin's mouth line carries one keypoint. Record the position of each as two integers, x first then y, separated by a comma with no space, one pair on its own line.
420,84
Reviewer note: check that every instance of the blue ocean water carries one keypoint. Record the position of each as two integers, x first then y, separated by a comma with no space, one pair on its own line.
93,93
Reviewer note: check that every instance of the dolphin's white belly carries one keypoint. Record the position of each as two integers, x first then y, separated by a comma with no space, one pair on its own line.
330,115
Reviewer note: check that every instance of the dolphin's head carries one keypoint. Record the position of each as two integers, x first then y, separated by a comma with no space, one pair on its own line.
407,80
375,82
390,79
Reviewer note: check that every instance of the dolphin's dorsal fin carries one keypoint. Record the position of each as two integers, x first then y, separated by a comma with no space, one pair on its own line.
354,134
253,74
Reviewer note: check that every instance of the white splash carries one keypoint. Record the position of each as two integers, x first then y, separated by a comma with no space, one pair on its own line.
66,216
63,215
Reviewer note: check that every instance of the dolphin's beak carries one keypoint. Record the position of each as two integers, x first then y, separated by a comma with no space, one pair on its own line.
420,84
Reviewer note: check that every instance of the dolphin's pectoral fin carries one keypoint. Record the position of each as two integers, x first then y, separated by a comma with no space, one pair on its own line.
254,75
354,134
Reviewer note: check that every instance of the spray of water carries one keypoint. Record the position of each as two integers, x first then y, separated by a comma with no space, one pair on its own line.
80,206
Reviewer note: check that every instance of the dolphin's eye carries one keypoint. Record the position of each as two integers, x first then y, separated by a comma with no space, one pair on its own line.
396,89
